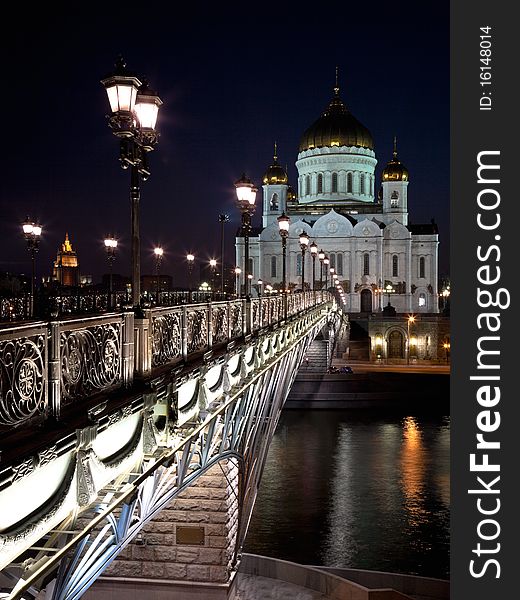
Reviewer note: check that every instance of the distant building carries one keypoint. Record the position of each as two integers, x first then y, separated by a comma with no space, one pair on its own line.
66,266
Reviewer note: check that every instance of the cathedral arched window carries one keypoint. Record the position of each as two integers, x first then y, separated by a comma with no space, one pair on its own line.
339,264
298,264
422,299
334,182
308,185
395,266
366,264
320,183
332,263
362,184
251,267
349,183
273,266
274,202
394,199
372,186
422,267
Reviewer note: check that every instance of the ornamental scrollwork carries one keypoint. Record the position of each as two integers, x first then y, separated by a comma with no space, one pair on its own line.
90,360
22,379
235,312
166,338
197,330
219,324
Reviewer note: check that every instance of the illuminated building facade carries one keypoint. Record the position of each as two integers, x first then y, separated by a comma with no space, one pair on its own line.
66,266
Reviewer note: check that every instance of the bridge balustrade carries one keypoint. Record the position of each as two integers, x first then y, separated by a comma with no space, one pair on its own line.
46,366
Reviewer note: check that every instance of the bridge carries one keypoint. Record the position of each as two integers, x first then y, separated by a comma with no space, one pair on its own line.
133,445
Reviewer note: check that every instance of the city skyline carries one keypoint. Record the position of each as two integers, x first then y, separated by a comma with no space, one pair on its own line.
226,101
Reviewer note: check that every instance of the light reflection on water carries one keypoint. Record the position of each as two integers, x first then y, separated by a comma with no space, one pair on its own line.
356,489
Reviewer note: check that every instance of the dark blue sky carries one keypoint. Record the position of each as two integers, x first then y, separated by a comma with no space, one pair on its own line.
233,80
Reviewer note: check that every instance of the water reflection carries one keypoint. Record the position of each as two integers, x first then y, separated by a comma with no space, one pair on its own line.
354,489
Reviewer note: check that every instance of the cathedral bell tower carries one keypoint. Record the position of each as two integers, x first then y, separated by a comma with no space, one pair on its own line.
395,193
276,183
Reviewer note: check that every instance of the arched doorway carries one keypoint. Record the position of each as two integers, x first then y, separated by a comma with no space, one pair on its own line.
366,301
396,344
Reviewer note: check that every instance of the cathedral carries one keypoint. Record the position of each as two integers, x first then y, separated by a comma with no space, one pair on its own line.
362,226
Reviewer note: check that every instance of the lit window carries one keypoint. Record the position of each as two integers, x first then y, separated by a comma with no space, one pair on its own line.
422,299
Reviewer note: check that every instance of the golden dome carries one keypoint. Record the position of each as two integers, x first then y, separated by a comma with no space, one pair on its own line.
395,170
275,174
336,127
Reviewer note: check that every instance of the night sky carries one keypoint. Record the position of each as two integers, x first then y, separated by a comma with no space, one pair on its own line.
233,80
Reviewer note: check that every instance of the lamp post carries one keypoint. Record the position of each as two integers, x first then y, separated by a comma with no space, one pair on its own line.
321,256
110,247
446,347
246,195
283,228
238,270
389,289
213,267
326,262
331,271
222,219
259,283
410,321
158,252
32,233
314,252
190,258
134,109
304,242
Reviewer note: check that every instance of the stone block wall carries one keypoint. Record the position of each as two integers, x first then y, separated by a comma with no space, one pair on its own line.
210,504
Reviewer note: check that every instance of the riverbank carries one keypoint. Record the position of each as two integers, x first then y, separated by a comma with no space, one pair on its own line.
422,389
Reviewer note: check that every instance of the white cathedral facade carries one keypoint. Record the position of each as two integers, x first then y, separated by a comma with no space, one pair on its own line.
367,236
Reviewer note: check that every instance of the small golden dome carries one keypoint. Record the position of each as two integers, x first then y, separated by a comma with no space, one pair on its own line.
275,174
395,170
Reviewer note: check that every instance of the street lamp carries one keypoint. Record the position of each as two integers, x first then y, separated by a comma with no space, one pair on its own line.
304,242
389,289
222,219
246,195
326,262
321,256
110,247
134,109
331,271
213,267
314,252
190,258
283,228
410,321
158,251
259,283
446,347
32,233
238,270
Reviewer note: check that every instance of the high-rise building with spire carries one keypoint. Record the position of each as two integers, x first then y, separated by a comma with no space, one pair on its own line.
66,266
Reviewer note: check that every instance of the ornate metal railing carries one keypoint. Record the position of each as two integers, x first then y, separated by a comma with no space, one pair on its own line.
46,366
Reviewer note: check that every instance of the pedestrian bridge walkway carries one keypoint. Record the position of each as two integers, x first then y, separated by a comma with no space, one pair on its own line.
105,420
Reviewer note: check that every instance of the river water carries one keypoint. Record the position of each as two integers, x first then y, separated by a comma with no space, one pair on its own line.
356,489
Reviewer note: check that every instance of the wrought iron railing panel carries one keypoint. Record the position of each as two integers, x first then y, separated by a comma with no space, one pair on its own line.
166,336
235,318
255,314
23,371
90,357
197,329
219,323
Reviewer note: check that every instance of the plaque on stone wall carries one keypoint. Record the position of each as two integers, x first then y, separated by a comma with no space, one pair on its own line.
189,536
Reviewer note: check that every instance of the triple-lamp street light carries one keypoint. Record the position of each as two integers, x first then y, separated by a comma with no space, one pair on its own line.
246,196
410,321
32,233
110,247
283,227
158,252
304,243
134,113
